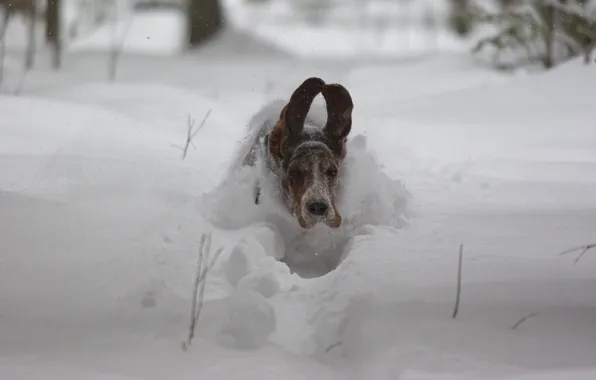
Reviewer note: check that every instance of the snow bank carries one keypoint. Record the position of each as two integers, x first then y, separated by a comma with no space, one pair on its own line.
93,179
117,124
101,177
386,84
486,124
489,142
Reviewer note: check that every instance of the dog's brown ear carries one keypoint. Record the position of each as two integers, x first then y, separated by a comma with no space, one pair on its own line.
294,113
339,111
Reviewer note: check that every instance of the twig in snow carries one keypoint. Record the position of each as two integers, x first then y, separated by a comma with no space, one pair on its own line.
523,319
582,249
331,347
203,267
458,294
191,133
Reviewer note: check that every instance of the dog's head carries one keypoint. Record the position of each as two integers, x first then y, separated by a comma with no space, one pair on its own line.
309,157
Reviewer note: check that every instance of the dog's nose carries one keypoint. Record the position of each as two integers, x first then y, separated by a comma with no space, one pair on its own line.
318,208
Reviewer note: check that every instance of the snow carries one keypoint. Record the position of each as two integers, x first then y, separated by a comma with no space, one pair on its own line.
101,222
137,34
349,29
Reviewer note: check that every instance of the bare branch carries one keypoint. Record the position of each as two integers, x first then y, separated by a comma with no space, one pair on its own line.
203,268
202,124
523,319
193,307
191,132
332,346
459,269
582,249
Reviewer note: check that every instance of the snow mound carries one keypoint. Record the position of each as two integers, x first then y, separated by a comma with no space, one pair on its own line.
260,246
250,321
166,110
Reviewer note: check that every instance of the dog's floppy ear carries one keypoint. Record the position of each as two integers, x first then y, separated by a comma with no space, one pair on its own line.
339,111
294,113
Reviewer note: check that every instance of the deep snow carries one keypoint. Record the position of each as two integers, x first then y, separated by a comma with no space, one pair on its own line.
101,221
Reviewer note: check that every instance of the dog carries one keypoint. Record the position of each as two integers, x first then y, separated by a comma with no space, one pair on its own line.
303,155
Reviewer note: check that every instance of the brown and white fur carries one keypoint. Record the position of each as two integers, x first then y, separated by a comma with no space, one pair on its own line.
304,155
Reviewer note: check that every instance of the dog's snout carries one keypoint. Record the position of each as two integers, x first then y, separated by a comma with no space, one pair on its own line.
318,207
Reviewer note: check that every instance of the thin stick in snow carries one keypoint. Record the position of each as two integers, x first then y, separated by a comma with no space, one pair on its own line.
332,346
193,307
582,249
191,132
458,294
523,319
203,267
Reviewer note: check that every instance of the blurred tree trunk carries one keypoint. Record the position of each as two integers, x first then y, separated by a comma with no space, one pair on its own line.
53,34
27,8
550,21
205,19
30,54
53,31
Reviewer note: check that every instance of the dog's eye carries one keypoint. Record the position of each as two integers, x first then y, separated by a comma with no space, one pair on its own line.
331,172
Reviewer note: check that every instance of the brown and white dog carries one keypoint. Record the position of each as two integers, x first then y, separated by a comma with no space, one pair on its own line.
304,155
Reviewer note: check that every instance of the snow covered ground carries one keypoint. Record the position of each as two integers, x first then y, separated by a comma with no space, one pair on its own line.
101,221
382,28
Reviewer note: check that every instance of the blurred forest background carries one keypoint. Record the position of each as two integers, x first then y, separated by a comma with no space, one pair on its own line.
506,33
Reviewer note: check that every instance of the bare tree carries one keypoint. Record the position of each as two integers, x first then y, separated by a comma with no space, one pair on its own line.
550,21
28,9
205,19
53,31
204,264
